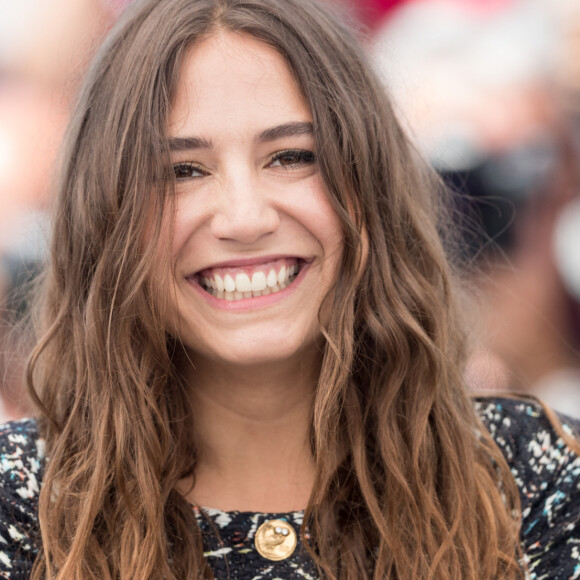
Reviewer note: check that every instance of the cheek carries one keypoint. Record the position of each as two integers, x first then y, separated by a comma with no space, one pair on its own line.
189,226
326,227
178,232
320,218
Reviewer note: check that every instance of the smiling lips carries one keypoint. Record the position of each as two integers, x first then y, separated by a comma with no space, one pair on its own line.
237,283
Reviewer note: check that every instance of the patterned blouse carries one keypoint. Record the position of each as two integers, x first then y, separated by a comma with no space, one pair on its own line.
546,470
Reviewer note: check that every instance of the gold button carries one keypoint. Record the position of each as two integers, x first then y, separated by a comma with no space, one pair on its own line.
275,540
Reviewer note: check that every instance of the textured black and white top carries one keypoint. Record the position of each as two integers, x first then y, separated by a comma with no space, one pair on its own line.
546,470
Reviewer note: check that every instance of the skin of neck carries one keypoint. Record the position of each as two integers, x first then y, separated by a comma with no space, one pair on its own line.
252,425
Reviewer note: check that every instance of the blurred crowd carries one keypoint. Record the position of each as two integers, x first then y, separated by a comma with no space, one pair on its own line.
45,46
490,93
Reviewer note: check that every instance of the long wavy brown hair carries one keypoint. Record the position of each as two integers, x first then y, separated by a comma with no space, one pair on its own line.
409,484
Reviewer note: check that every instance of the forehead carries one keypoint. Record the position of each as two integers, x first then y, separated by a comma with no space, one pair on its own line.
233,76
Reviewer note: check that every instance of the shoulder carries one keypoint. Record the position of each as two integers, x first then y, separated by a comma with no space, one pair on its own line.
532,446
21,467
546,470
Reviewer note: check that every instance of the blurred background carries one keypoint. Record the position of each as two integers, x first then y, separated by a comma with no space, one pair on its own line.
489,91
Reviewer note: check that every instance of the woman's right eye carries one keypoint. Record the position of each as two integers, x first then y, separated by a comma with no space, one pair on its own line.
188,170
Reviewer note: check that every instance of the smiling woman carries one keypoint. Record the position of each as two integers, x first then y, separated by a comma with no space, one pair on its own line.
250,346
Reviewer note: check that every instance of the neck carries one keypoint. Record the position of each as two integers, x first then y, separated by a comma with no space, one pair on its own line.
252,425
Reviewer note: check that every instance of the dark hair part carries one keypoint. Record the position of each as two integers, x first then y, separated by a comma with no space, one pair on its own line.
409,484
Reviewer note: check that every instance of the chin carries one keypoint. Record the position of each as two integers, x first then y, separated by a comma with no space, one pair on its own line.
266,350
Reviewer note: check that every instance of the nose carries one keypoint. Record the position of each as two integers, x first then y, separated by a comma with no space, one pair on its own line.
245,212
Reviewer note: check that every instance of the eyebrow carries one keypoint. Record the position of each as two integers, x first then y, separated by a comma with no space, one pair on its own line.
188,143
286,130
292,129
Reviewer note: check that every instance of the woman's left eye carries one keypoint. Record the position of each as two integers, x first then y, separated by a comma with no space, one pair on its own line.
292,158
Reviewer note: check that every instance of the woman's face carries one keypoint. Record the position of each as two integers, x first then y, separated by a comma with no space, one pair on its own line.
256,243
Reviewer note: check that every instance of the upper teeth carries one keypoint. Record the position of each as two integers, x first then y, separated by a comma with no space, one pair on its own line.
240,285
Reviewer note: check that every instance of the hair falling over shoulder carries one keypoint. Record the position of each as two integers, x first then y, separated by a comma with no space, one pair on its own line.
409,484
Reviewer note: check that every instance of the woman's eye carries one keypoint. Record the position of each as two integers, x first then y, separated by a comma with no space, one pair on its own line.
187,171
293,158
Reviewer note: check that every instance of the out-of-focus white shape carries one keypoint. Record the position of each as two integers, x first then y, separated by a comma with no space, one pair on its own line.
25,236
7,152
457,148
15,31
447,65
47,39
561,391
567,246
